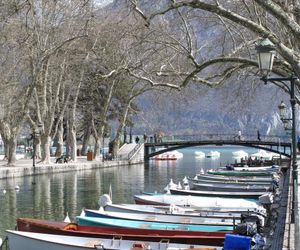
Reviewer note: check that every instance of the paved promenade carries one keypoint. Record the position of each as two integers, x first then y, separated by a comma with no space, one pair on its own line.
289,232
24,167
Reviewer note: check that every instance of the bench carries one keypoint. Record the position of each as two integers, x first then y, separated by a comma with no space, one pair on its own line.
63,159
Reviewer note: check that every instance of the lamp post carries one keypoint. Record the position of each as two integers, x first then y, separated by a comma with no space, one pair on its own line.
265,55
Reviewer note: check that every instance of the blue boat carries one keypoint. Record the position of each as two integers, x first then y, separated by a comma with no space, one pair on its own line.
107,222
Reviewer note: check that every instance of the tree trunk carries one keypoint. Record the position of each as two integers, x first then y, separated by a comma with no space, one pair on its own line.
46,143
121,128
97,147
85,139
60,140
37,146
12,144
73,143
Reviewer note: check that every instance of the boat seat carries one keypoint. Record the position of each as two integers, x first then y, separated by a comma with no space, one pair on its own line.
93,243
140,246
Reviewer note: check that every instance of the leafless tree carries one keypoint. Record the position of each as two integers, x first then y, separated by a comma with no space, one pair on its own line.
229,50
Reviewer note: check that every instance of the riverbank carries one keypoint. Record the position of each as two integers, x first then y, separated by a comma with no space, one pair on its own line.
24,167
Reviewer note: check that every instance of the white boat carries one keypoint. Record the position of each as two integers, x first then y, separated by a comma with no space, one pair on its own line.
220,193
274,168
213,203
199,154
167,218
172,155
240,154
264,155
249,179
170,210
213,154
19,240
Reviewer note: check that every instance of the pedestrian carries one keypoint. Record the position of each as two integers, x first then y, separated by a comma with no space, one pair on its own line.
137,139
145,138
239,134
258,135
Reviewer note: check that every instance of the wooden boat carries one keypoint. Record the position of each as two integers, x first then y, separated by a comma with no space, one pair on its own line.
240,173
172,210
273,168
223,187
19,240
108,222
174,236
225,194
208,203
235,178
226,181
163,218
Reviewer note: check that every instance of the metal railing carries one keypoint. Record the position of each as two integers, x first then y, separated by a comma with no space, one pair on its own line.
4,245
227,137
135,150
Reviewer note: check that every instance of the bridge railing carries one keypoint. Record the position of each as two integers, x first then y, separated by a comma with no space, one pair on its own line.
225,137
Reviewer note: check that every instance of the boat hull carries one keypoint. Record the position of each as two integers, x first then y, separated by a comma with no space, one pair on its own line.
174,236
151,209
221,187
110,222
226,181
235,178
240,173
201,202
225,194
163,218
19,240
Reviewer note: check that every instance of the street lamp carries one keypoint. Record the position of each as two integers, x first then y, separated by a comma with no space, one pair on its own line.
283,116
265,55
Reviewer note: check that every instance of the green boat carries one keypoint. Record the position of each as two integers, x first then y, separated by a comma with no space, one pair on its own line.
240,173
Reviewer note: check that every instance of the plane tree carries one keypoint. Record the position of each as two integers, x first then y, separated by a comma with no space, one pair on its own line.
215,40
54,35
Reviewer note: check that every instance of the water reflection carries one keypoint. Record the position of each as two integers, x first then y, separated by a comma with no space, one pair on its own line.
54,195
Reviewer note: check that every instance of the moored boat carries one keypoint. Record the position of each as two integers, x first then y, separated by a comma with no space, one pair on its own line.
239,154
228,181
208,203
248,179
19,240
174,236
199,154
240,173
273,168
213,154
178,219
230,187
109,222
172,210
225,193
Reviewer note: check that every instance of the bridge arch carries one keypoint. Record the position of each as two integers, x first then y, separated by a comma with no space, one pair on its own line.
283,148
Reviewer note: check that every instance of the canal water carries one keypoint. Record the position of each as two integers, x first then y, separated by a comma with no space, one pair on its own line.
55,195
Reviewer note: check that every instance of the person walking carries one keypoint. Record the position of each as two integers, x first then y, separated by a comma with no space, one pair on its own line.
258,135
239,134
137,139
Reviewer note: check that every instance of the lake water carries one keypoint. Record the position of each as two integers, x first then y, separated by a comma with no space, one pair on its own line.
54,195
